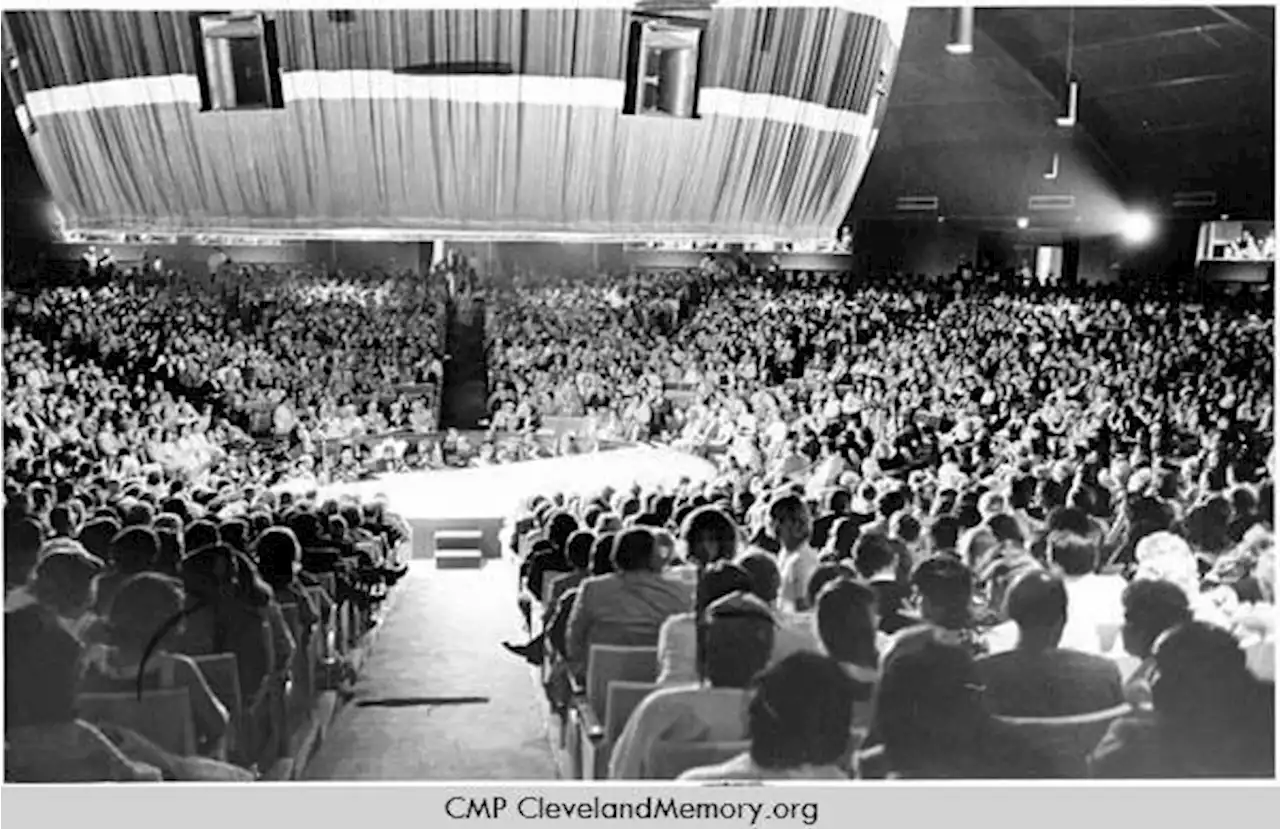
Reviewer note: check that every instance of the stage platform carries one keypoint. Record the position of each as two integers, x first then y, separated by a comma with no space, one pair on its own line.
456,506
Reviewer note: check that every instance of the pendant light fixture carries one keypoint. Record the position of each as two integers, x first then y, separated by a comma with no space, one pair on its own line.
961,42
1071,94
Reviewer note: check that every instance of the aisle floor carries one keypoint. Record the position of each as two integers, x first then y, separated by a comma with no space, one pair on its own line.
439,698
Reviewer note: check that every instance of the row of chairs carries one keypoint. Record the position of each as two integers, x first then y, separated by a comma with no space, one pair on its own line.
618,679
165,716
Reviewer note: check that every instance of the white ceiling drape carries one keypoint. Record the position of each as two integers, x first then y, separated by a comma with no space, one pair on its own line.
519,135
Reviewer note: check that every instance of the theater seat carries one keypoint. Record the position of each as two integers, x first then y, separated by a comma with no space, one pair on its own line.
670,760
588,713
1067,741
163,717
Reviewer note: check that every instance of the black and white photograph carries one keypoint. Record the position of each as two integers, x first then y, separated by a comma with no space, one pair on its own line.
702,391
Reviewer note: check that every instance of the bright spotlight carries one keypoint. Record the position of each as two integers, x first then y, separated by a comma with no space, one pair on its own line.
1023,223
1137,228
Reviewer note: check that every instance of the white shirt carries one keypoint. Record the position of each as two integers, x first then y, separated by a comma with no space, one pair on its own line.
797,568
1095,612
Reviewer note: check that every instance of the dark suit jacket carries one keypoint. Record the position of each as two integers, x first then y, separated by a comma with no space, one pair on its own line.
891,597
1053,683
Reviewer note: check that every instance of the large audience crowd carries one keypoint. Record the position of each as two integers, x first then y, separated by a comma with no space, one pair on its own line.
948,521
940,511
143,529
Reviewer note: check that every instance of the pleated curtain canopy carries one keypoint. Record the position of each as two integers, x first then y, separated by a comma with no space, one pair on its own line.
494,123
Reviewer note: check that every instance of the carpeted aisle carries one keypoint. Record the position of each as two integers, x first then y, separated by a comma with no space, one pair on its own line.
438,698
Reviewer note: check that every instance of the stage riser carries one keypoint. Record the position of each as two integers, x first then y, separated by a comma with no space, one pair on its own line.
460,562
433,535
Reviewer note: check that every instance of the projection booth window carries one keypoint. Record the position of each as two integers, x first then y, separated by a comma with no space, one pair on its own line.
663,65
239,62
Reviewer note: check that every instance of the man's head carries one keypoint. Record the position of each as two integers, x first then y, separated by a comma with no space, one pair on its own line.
875,554
634,551
739,639
945,586
801,713
64,582
846,620
944,534
578,549
1037,602
1075,554
821,577
1151,607
791,522
135,549
720,579
766,580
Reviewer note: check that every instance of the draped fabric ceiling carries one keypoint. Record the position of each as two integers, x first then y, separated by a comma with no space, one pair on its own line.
531,145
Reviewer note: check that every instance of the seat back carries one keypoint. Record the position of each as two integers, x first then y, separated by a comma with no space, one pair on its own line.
623,699
667,761
616,663
548,586
163,717
1066,741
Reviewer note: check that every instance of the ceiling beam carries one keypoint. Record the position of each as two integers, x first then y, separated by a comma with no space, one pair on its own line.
1231,19
1171,83
1144,38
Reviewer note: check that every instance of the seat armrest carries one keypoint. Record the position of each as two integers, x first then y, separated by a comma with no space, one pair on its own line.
589,724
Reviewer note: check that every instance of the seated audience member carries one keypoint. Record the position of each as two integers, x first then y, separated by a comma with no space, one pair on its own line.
945,587
133,551
794,632
627,607
876,558
789,516
230,609
1095,611
117,667
799,723
837,507
1038,678
64,583
280,563
846,621
44,741
549,557
1211,717
678,638
932,721
578,551
22,542
824,575
739,639
1150,609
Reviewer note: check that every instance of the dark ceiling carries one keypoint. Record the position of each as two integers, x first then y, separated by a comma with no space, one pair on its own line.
1172,99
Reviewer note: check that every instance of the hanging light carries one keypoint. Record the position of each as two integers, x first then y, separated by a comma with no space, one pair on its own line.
1071,101
1051,169
961,31
1070,104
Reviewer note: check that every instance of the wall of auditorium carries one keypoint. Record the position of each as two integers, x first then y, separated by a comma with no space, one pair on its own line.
1099,263
914,247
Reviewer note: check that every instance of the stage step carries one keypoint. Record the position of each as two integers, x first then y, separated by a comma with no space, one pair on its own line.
458,539
459,559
